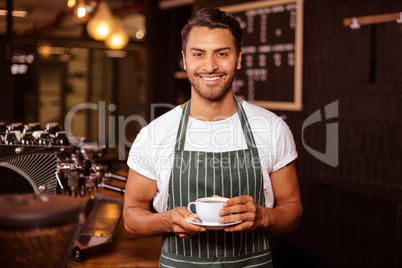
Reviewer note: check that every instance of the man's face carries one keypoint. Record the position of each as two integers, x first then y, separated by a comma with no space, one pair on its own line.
211,61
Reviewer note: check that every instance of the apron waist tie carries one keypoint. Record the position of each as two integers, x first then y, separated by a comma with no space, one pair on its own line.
256,259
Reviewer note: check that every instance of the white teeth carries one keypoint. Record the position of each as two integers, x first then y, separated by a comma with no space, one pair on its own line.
211,78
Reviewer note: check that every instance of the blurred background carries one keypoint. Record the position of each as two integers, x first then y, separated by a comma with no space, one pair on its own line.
51,68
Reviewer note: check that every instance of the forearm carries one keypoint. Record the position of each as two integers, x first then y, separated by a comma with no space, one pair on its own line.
142,222
281,219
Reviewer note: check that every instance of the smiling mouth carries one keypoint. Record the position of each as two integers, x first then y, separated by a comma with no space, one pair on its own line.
210,79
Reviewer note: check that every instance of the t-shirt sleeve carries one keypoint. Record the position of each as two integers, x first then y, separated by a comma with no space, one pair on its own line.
285,146
140,156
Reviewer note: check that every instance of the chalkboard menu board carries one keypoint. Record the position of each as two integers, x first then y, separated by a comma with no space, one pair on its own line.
271,73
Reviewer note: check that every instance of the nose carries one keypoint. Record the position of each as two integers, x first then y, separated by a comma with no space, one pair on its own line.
210,64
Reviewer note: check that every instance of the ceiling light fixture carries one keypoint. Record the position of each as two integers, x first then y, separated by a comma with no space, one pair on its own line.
104,26
118,39
140,34
71,3
101,24
81,10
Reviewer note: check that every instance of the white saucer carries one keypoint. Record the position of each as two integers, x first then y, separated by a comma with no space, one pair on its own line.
213,225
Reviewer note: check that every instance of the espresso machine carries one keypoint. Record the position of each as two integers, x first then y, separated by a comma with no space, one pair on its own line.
44,161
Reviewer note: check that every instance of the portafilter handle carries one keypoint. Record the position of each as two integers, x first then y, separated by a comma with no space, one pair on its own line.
112,188
114,176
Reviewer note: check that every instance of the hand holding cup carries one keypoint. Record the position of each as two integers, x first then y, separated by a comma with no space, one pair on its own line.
207,208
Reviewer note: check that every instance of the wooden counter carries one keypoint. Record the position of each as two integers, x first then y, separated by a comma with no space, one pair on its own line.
125,250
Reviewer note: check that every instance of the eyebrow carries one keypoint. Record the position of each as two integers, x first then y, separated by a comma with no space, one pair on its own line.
216,50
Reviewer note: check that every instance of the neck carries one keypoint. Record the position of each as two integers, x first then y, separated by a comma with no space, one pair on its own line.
206,110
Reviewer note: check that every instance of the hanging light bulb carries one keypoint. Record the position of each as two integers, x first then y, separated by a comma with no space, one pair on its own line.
81,11
100,26
118,39
70,3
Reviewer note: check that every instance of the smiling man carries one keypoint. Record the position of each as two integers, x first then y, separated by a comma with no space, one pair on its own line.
210,63
213,145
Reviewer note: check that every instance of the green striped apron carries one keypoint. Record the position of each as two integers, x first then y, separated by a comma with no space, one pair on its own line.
197,174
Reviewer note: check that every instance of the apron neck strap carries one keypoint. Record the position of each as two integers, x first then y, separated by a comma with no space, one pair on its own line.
245,125
181,133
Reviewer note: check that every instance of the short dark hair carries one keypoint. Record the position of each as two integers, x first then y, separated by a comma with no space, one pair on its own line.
213,18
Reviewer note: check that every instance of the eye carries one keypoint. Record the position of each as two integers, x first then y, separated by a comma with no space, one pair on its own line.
222,54
197,55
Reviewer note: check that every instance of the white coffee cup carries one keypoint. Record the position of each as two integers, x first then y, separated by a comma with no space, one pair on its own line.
207,208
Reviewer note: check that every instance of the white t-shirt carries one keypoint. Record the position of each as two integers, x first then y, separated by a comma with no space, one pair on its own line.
152,152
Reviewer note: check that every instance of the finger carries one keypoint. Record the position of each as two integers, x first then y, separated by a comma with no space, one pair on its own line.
235,209
189,227
230,218
191,217
237,228
238,200
233,217
195,228
188,230
186,227
185,236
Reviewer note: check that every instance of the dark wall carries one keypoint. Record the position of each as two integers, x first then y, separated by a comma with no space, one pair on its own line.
8,96
163,53
357,68
352,209
361,70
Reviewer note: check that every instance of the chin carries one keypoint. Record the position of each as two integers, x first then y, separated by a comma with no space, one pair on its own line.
212,97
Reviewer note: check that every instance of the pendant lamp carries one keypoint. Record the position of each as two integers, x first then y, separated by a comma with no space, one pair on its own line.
118,39
81,11
101,25
71,3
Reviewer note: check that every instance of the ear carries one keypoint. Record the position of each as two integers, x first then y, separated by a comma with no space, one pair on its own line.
238,65
184,60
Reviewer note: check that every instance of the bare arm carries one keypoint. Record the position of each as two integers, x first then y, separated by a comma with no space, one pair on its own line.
284,217
140,220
